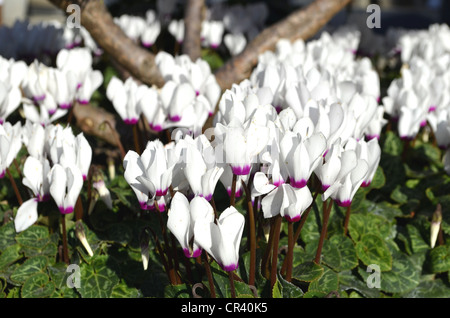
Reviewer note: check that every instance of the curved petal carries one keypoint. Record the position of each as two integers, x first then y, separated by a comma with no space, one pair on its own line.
26,216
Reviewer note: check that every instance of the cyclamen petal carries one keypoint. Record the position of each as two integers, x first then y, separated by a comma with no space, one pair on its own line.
27,215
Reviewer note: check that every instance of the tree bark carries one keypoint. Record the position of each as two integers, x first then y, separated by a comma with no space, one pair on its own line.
193,19
301,24
100,24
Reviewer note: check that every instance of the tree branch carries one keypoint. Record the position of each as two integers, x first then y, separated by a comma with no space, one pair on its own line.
193,18
301,24
100,24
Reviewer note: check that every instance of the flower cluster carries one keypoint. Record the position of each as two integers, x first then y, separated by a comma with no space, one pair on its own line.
141,30
234,25
56,165
420,95
187,99
272,134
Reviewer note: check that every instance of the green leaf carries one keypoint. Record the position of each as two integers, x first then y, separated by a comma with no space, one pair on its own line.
418,244
378,180
7,235
287,289
10,255
371,249
177,291
122,290
392,145
348,282
361,224
315,294
30,267
38,286
440,259
277,290
98,278
327,283
339,253
403,277
307,272
36,236
430,289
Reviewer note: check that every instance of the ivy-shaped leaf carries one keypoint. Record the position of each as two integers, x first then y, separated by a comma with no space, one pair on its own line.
371,249
7,235
430,289
403,277
97,279
361,224
307,272
339,253
327,283
30,267
36,236
440,259
10,255
348,282
38,286
288,290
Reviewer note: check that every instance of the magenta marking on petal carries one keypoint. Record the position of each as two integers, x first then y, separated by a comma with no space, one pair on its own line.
64,106
51,111
143,205
325,187
376,136
2,174
147,44
39,98
432,108
131,121
79,85
207,197
278,108
197,93
210,113
197,253
230,268
67,210
241,171
1,121
175,118
156,127
278,183
214,46
365,184
345,203
83,102
238,192
406,138
161,207
423,123
299,184
325,153
378,99
187,252
161,192
294,219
